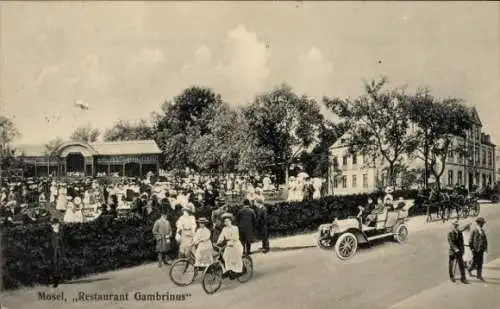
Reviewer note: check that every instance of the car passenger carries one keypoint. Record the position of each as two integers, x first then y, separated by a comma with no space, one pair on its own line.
379,208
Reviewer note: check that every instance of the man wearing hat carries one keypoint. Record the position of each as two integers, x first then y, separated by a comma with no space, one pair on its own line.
247,220
262,224
456,252
56,252
478,244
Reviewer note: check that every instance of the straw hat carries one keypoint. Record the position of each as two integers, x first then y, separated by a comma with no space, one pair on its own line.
77,200
389,190
227,215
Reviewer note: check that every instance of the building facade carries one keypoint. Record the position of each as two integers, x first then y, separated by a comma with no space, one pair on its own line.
352,174
124,158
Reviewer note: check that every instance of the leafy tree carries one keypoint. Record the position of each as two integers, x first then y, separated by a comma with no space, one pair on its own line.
52,145
285,124
378,125
229,146
8,132
127,131
85,134
183,121
317,162
441,125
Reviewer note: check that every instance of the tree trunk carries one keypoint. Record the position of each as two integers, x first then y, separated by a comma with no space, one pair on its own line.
286,173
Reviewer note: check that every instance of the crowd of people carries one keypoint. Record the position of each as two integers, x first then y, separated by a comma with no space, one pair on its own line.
188,215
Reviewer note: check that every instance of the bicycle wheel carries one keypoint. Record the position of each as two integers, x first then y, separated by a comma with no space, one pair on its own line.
212,278
247,270
182,272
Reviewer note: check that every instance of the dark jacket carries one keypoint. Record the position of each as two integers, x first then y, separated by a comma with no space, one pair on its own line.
456,242
478,241
262,219
247,220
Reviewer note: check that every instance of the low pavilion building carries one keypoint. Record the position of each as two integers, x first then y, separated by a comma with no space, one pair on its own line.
124,158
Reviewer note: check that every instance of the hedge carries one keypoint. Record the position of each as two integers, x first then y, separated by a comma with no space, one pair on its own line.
101,246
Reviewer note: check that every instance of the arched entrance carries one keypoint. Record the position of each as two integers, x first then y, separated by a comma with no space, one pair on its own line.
75,162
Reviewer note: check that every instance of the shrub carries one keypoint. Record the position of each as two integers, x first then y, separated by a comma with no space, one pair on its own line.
100,246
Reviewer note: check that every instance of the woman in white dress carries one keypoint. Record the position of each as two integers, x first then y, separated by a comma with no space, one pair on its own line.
291,189
186,228
203,245
234,250
62,200
73,215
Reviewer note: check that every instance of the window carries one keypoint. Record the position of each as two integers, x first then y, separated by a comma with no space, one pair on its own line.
335,162
362,160
478,155
335,182
484,180
450,178
477,178
344,160
460,177
344,181
365,180
484,156
354,181
490,158
354,160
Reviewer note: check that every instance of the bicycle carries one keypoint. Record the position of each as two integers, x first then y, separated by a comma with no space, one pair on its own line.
183,272
215,272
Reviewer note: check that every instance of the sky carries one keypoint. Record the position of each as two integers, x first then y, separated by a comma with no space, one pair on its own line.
123,59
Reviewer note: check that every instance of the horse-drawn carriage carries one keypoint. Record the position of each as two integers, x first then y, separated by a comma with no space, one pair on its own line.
440,205
345,235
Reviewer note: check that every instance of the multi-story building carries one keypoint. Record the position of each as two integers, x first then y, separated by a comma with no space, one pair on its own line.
352,174
497,166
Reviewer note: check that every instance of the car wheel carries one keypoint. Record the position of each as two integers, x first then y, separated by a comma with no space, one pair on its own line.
495,198
325,243
401,233
346,246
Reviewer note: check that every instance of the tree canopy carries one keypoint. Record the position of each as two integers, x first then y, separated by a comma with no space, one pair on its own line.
86,134
285,124
128,131
378,124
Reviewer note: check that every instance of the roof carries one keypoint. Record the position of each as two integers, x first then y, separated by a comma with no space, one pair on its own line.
341,142
30,150
137,147
126,147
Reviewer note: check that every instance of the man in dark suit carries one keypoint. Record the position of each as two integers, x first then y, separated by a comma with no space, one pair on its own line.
456,252
247,220
56,251
262,224
478,244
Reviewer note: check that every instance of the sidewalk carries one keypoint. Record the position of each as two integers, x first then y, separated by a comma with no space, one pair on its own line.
477,294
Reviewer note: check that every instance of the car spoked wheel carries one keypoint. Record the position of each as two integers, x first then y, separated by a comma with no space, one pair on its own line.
401,234
325,243
346,246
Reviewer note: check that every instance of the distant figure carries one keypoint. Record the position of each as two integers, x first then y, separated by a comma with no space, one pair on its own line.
479,245
455,252
262,224
56,252
162,232
247,220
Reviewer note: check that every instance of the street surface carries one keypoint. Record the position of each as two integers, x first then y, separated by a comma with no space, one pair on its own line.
387,275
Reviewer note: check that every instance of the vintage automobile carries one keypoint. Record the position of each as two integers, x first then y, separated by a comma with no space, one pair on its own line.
345,235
